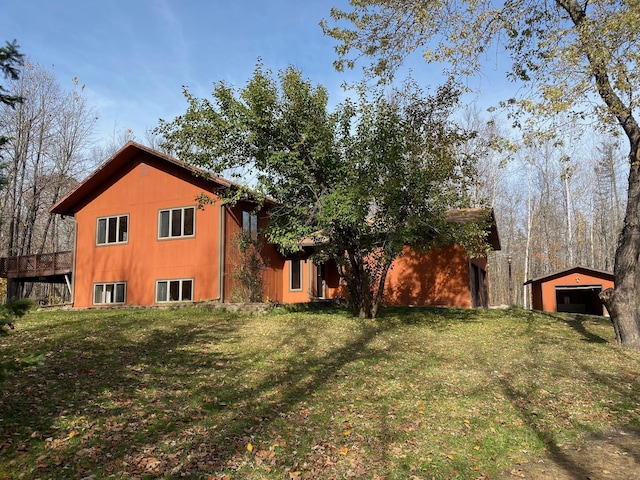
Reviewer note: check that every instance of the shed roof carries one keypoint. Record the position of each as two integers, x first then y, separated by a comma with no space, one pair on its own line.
593,271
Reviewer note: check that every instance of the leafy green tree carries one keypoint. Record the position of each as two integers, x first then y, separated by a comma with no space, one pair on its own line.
576,58
361,181
10,61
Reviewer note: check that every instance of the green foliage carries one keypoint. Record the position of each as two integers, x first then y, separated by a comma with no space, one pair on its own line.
12,310
10,60
567,51
579,60
368,178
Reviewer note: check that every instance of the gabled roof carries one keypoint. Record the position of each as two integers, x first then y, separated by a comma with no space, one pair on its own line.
119,162
560,273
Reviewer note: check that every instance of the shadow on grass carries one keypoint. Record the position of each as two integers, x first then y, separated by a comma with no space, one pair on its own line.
122,395
572,468
98,371
578,323
520,394
434,317
107,399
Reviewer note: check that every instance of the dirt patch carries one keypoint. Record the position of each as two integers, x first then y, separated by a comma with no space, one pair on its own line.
605,456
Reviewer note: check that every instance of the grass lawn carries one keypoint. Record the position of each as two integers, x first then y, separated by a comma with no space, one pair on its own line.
417,393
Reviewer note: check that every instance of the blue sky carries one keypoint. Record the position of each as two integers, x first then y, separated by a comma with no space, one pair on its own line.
134,56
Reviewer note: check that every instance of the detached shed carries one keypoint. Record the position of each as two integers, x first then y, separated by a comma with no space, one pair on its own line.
573,290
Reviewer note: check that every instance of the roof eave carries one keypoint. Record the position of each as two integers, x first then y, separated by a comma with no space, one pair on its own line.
68,205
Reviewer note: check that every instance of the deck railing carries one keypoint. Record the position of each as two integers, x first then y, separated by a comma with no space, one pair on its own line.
38,265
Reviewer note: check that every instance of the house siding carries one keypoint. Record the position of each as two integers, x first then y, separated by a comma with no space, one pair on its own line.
273,261
439,277
141,192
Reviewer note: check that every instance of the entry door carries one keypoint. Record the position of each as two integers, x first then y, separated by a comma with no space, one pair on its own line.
321,282
478,287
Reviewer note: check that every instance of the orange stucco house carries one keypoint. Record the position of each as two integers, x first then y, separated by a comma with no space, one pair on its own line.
142,240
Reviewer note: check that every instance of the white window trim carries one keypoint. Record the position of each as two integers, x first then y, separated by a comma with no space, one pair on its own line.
291,275
104,284
117,242
181,280
170,210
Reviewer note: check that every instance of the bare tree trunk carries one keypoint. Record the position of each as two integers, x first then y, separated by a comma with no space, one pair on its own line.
380,290
528,242
567,200
47,130
623,301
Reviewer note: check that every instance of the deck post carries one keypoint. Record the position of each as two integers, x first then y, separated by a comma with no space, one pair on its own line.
68,282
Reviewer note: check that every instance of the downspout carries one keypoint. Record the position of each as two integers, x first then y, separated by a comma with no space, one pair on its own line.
221,250
311,267
72,285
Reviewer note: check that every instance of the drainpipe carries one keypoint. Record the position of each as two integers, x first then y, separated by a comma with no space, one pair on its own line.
221,250
72,285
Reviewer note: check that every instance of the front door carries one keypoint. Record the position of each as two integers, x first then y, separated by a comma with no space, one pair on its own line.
321,282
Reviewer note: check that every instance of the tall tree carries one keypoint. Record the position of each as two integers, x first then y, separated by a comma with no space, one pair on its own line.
48,132
366,179
10,62
608,206
570,52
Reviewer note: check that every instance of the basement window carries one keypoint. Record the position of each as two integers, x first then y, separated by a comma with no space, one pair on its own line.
109,293
179,290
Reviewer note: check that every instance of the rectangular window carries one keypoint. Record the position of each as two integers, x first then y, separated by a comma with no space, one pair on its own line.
250,224
109,293
112,230
174,290
295,275
176,222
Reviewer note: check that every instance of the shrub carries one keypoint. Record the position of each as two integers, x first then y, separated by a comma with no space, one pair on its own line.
12,310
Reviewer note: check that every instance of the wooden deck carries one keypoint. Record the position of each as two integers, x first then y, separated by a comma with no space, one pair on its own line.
43,267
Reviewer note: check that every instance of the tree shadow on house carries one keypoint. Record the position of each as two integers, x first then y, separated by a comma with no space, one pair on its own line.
434,278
